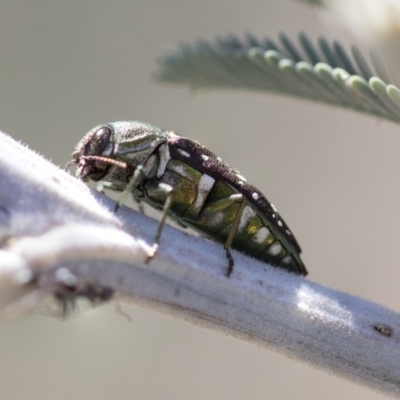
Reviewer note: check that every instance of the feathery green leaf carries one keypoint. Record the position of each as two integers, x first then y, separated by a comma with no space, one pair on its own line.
324,72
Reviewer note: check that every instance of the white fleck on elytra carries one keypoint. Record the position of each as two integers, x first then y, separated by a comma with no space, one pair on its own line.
255,196
247,213
261,235
184,153
204,157
164,158
286,260
288,232
275,249
241,178
236,197
280,223
204,187
274,208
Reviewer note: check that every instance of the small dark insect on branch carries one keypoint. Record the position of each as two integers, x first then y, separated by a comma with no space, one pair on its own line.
67,296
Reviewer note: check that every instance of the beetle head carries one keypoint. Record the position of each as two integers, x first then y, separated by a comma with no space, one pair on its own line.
94,154
107,149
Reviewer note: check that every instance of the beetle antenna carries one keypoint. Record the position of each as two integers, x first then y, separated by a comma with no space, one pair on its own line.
107,160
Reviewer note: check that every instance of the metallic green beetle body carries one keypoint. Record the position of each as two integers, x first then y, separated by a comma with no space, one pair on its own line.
205,194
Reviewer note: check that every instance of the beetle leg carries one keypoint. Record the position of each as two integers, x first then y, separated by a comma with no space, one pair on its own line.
232,234
139,203
137,177
222,205
164,190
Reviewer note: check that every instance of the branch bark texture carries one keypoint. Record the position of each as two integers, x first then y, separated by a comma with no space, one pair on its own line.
56,235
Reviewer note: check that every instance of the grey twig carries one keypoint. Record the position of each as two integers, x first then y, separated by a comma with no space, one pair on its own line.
59,237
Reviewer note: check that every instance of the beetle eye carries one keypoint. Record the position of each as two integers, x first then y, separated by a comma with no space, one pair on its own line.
100,140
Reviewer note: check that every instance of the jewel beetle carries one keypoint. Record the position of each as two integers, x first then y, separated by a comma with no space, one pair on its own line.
192,185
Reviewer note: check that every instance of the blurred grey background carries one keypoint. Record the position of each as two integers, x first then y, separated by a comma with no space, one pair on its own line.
68,66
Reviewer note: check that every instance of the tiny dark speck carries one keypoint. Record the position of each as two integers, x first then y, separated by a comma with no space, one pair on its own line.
67,296
384,329
260,282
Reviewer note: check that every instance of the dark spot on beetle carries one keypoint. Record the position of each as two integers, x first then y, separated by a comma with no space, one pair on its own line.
384,329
